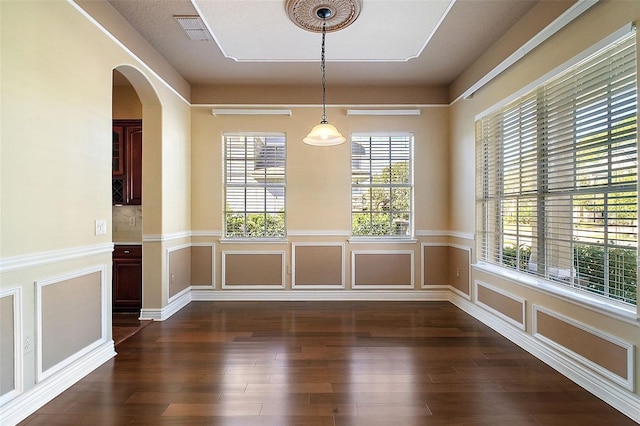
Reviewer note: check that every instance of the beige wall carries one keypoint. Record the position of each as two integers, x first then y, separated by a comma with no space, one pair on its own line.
318,179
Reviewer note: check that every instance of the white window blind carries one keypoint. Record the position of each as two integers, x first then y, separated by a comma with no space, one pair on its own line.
254,185
381,185
557,178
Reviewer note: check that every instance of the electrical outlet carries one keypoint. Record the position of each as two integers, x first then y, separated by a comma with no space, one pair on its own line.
132,221
28,344
458,273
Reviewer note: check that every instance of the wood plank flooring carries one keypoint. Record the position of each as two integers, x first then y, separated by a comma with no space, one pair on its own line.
323,363
125,325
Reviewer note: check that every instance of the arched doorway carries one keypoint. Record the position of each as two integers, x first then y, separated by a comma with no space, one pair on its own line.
136,112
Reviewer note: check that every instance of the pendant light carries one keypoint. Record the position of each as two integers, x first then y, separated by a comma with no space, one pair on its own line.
324,134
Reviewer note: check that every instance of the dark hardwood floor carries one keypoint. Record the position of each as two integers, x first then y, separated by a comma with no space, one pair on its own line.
323,363
125,325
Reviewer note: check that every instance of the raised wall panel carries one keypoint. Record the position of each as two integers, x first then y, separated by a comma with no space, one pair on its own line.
447,265
252,270
11,352
435,261
604,353
70,318
317,265
382,269
179,269
202,264
505,305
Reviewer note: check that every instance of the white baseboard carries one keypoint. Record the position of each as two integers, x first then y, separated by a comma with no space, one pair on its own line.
310,295
175,304
31,400
622,400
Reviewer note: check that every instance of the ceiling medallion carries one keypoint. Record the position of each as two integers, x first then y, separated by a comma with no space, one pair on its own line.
304,13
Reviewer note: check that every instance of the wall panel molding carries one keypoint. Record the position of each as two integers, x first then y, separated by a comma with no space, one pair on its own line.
447,276
18,348
450,234
381,270
297,248
54,256
627,382
213,265
250,273
496,310
43,373
169,236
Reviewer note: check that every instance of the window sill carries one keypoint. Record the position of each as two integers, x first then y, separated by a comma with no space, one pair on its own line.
382,240
253,240
612,309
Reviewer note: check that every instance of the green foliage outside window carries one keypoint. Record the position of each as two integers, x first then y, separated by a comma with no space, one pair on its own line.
385,210
589,261
256,225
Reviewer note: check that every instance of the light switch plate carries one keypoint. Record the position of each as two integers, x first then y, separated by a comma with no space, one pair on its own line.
101,227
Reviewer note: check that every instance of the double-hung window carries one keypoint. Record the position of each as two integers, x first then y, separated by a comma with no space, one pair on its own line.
381,185
254,190
557,178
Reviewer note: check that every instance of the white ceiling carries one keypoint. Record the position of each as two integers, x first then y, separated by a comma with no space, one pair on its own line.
403,31
393,42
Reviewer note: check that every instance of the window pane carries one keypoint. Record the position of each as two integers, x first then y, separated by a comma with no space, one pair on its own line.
557,178
381,185
255,185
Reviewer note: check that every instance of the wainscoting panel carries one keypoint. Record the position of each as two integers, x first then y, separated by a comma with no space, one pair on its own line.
253,270
606,354
382,269
505,305
202,264
446,265
179,269
318,265
11,352
70,318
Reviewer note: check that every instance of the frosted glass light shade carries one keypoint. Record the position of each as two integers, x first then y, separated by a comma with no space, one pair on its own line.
324,134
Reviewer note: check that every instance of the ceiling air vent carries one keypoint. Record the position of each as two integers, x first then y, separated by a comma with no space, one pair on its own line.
193,27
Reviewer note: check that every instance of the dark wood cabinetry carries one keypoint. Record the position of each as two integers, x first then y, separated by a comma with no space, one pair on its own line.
127,278
126,167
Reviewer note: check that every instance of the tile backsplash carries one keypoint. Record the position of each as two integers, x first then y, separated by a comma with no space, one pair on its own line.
127,224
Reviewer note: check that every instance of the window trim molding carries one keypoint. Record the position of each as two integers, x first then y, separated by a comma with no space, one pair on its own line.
223,145
411,237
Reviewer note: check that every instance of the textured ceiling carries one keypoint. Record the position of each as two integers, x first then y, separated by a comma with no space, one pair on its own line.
393,42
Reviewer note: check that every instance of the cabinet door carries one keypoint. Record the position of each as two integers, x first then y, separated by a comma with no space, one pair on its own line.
127,285
117,151
127,162
134,165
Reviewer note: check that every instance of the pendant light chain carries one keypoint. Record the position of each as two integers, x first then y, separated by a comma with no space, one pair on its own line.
324,134
323,68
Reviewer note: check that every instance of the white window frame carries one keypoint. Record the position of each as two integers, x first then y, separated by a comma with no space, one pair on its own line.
253,173
490,235
363,185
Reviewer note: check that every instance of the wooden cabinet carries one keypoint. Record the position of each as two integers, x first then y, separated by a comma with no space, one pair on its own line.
127,278
126,167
